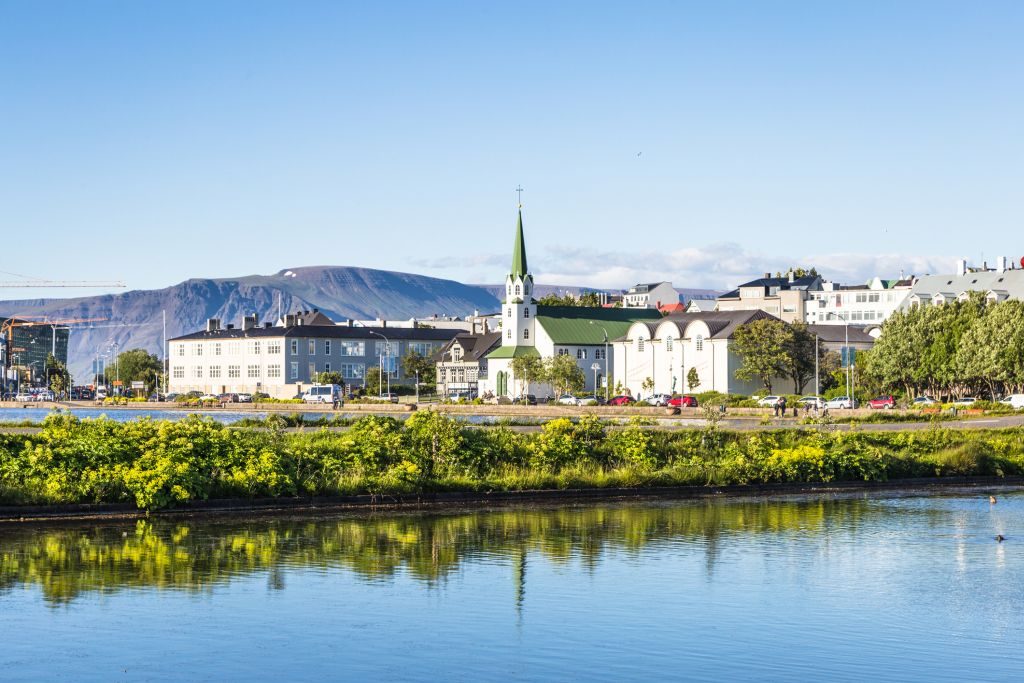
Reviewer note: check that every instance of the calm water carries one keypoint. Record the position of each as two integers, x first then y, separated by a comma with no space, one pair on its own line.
225,416
900,588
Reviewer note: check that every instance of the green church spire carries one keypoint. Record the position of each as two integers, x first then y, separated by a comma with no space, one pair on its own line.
519,268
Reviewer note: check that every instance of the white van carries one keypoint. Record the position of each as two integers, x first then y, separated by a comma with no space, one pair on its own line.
324,393
1014,401
101,393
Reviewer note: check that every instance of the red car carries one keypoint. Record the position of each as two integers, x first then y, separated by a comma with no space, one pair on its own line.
882,403
682,402
620,400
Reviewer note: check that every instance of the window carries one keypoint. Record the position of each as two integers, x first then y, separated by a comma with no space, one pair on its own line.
274,371
862,298
526,312
234,371
640,345
181,349
581,354
178,371
234,348
563,352
312,347
273,347
508,314
874,298
349,348
383,348
327,350
214,372
294,369
526,334
508,334
457,353
254,371
599,354
327,367
700,342
197,349
668,343
517,290
353,370
254,347
216,349
424,349
295,347
197,372
312,371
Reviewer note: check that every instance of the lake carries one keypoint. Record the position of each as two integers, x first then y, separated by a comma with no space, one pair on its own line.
900,587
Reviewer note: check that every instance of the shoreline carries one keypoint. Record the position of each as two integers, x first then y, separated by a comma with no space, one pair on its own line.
470,500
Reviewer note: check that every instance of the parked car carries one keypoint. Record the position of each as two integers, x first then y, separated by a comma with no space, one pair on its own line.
525,400
768,401
682,402
208,397
965,401
327,393
1014,401
244,398
24,397
155,397
658,399
623,400
465,395
811,402
923,401
568,400
387,397
882,403
841,403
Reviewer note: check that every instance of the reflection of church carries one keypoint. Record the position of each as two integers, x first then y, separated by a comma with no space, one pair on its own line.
583,333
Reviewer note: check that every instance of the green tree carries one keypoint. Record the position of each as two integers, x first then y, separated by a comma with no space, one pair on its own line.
414,364
330,378
692,379
801,350
564,375
763,347
135,365
373,381
647,385
56,375
527,370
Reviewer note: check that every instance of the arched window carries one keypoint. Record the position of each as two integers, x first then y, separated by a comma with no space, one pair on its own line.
526,312
509,314
668,343
517,290
526,334
508,334
508,289
640,344
700,342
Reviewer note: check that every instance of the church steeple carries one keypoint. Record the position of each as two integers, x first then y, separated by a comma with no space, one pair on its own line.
519,267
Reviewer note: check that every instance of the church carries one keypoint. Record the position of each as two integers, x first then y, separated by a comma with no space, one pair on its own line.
583,333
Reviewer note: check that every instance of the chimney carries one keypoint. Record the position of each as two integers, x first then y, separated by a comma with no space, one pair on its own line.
961,267
212,324
767,275
791,276
383,323
268,325
1001,264
230,326
250,321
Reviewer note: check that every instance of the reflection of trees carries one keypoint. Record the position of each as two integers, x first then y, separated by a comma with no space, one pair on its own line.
195,556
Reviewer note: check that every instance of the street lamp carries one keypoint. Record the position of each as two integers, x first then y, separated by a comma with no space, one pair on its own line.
846,324
380,379
595,367
607,383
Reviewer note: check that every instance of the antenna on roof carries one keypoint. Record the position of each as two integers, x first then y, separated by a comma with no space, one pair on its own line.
519,195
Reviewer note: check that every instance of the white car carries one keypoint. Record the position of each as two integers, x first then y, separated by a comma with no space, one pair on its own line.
24,398
965,401
811,402
1014,401
658,399
923,401
841,403
768,401
208,397
568,400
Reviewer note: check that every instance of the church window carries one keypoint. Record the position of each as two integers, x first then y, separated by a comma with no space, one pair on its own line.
526,312
668,343
640,344
509,314
700,342
526,334
508,334
517,290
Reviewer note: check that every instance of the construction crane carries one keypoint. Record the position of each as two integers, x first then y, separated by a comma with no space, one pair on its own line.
63,283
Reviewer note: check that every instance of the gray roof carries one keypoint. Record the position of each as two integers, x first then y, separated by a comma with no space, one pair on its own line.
646,287
722,324
781,283
476,346
837,334
327,332
1010,281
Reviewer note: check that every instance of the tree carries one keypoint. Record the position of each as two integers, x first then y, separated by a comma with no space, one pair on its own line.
415,364
135,365
586,299
762,345
647,385
801,350
330,378
564,375
692,379
527,370
56,375
372,382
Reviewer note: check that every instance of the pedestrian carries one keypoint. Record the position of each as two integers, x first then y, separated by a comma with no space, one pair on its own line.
775,409
334,402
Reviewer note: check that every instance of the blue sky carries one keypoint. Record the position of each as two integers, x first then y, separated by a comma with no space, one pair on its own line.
696,142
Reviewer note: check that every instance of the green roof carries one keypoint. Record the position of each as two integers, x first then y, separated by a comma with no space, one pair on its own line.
582,332
519,268
513,352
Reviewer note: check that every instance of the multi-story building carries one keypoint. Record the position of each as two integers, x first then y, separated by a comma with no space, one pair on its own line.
24,347
650,295
865,305
1005,281
279,360
462,363
783,297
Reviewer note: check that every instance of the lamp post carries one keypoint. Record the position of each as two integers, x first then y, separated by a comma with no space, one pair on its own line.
387,347
846,325
595,367
607,384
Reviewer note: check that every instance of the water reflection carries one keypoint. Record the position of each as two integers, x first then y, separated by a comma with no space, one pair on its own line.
66,561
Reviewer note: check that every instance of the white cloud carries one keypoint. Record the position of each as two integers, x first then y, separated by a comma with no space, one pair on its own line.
715,266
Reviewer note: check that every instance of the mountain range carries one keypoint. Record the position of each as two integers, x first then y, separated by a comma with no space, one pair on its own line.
135,319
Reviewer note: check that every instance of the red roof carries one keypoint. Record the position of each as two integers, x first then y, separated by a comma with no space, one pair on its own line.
672,308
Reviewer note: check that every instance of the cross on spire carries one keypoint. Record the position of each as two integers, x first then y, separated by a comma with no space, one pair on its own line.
519,193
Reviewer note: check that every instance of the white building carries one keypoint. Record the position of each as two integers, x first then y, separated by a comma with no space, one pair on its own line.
1005,281
650,295
865,305
665,351
582,333
279,360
